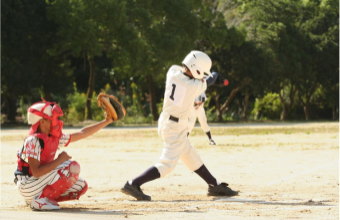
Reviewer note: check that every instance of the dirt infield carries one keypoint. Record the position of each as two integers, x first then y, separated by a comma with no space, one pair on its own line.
283,171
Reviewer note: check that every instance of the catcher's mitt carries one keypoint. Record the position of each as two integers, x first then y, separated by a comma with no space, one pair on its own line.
110,104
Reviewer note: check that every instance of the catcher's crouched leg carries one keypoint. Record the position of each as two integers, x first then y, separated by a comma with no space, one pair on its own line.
74,194
68,176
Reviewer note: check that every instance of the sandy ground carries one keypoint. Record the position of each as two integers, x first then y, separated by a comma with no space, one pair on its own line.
283,171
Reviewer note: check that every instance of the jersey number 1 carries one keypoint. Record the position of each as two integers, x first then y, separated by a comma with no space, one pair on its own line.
173,92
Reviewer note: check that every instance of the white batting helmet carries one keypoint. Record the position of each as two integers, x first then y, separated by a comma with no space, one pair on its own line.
38,111
198,63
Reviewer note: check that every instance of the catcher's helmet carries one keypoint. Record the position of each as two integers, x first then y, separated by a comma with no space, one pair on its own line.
44,109
198,64
38,111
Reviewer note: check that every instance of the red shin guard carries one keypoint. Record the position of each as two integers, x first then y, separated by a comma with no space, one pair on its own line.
54,191
73,195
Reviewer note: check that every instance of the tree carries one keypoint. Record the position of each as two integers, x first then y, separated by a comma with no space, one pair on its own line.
28,70
322,29
165,33
235,58
291,31
318,20
88,29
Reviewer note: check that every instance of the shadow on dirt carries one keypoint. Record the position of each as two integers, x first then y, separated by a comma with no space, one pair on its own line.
96,211
254,201
122,213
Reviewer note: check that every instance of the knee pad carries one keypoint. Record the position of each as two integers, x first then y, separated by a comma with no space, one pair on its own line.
74,168
65,181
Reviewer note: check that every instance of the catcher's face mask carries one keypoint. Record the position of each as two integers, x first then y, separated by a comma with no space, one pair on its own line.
56,125
47,110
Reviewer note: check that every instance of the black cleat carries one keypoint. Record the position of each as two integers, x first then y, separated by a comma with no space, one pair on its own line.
221,190
212,142
135,191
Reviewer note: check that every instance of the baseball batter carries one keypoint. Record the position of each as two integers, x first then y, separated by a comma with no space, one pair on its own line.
183,85
42,179
198,112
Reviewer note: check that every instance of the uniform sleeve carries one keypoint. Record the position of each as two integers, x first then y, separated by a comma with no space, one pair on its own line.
64,140
202,86
31,149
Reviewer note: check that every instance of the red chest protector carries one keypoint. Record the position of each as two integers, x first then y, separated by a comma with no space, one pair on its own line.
49,149
49,146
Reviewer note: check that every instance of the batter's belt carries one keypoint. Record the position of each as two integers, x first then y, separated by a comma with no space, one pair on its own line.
173,118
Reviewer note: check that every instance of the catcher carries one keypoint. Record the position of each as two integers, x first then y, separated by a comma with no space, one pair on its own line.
42,179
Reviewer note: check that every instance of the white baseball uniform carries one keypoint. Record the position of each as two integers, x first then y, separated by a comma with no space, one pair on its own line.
179,96
198,112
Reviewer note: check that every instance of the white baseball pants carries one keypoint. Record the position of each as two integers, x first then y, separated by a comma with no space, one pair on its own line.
32,187
176,146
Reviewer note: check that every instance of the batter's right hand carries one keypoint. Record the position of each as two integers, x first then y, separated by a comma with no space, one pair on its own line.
63,156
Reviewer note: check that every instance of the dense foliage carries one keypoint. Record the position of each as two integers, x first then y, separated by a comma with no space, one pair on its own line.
280,56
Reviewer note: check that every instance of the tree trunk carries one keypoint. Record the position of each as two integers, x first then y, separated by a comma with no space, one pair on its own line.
152,103
218,107
244,114
305,99
230,98
10,107
246,81
283,115
286,105
90,89
284,112
306,110
335,114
